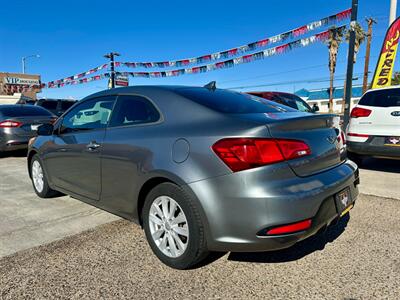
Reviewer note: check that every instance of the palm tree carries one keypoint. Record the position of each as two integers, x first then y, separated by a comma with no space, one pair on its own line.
360,38
334,40
396,78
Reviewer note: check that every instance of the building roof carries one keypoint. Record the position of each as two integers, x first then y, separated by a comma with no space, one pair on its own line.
303,93
323,94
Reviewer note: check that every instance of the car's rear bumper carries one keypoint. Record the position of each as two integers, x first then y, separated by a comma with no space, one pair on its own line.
13,146
11,142
238,206
370,148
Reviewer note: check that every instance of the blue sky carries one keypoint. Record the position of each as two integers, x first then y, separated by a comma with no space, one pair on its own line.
72,37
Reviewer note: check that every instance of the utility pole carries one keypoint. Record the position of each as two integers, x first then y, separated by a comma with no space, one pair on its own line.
393,10
111,56
370,22
350,62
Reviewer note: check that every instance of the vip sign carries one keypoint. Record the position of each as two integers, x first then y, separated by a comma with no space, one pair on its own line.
21,81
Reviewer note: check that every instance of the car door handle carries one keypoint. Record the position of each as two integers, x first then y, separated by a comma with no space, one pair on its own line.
92,146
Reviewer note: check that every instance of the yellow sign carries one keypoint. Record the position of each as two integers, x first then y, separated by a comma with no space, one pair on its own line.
384,69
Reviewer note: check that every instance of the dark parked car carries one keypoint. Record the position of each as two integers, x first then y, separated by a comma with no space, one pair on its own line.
297,103
200,169
55,106
287,99
18,123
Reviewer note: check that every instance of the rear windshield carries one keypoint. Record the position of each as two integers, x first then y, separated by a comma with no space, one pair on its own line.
49,104
230,102
23,111
381,98
66,104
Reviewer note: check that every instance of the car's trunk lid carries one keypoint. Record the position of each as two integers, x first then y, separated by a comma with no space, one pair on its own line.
30,124
317,131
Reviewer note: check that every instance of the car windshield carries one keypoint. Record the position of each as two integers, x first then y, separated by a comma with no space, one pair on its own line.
231,102
23,111
381,98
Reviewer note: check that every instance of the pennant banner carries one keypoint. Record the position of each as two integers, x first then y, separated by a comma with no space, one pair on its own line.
245,48
322,36
77,76
77,81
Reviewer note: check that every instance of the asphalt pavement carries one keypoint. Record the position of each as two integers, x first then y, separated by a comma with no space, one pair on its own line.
357,259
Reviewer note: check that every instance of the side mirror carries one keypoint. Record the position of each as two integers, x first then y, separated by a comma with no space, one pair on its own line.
315,108
45,129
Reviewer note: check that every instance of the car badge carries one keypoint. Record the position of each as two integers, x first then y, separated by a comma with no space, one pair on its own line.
395,113
331,139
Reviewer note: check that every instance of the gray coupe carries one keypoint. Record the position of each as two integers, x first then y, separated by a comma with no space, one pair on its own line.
200,169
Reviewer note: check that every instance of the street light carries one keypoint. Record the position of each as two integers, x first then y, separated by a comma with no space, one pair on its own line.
24,59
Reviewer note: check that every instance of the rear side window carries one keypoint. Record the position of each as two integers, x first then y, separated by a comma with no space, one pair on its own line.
231,102
133,110
381,98
24,111
49,105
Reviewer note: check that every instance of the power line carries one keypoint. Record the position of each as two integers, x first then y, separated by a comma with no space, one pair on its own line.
320,79
273,74
283,72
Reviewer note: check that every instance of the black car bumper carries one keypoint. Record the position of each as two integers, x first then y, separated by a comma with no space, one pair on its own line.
13,145
374,147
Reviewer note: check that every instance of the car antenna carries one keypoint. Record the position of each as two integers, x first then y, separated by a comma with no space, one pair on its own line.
212,85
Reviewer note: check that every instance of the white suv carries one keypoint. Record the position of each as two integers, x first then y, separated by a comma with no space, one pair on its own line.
374,127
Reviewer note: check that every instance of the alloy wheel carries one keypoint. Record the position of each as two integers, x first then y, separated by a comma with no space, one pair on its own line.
37,176
168,226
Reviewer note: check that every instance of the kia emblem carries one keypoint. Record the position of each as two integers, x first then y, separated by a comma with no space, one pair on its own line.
395,113
331,139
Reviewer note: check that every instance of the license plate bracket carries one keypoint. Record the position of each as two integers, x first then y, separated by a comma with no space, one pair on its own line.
343,200
392,141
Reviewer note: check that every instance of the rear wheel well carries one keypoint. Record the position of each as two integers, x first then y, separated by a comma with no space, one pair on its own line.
144,191
30,155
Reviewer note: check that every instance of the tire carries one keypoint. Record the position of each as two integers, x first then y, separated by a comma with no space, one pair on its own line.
358,159
189,250
39,182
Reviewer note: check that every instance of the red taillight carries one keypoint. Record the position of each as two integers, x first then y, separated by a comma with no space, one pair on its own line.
359,112
358,135
291,228
245,153
10,124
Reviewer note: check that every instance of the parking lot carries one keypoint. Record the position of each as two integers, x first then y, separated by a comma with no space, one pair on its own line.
62,248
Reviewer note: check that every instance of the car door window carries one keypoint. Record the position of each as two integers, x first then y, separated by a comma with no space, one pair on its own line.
133,110
91,114
302,107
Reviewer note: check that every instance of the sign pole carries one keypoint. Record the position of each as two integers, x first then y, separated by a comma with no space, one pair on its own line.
350,62
111,56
